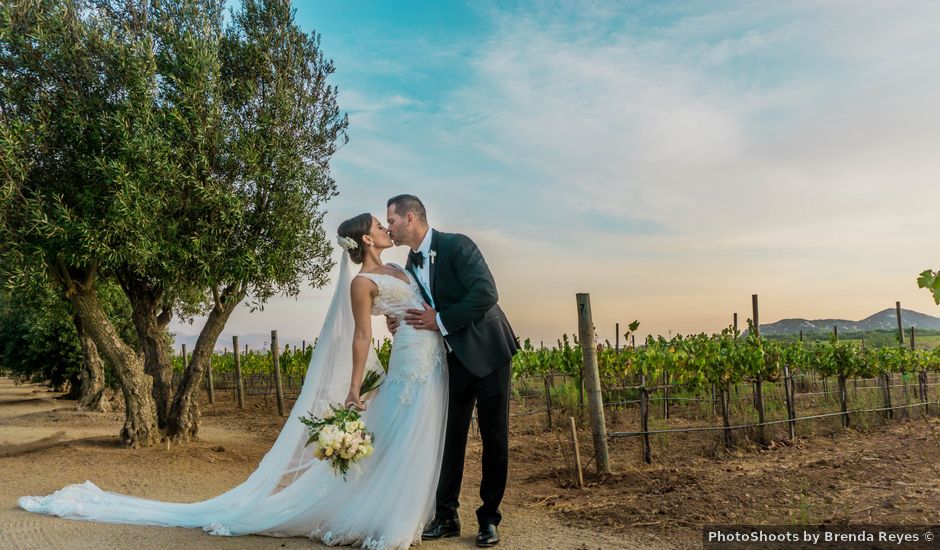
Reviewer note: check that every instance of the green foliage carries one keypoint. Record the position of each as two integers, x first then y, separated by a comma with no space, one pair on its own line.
384,352
293,361
38,338
565,396
82,155
565,359
930,280
837,358
696,362
158,142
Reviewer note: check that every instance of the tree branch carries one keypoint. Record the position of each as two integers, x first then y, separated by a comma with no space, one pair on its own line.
216,298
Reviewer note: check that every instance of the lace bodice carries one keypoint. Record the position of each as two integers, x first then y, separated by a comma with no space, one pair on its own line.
415,353
395,296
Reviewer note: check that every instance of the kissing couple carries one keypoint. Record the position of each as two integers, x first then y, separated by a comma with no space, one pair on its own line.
452,349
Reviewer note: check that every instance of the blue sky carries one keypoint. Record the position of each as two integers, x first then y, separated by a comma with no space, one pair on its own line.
670,158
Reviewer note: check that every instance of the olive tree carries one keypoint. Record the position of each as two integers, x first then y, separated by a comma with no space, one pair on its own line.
187,160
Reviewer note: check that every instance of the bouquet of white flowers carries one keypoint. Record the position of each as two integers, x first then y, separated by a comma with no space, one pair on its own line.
340,437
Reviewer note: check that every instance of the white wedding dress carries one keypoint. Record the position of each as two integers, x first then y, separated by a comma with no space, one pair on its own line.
388,497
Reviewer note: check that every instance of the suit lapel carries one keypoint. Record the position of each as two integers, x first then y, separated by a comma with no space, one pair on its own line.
432,268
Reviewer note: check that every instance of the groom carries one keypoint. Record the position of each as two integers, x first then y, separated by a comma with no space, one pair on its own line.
461,305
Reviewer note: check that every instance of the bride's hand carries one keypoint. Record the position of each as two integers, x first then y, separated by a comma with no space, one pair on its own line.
353,398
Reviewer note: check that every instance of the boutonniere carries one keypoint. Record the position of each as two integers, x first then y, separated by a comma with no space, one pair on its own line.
432,254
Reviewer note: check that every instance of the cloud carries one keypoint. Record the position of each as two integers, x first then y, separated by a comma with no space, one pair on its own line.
671,158
681,125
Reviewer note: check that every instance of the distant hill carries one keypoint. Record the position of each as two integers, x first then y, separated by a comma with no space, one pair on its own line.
883,320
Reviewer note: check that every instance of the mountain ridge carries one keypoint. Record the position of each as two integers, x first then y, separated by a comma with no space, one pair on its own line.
882,320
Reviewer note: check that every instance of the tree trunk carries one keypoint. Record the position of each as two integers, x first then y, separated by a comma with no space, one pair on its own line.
74,387
91,377
183,421
150,323
140,428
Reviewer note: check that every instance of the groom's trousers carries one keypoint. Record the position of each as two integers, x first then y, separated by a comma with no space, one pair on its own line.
491,395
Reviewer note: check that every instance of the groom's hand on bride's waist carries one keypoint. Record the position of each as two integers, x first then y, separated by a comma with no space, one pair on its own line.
422,319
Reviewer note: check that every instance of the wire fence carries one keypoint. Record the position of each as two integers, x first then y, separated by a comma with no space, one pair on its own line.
551,396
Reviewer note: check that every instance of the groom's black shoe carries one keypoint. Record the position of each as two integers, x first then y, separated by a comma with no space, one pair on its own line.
487,536
441,529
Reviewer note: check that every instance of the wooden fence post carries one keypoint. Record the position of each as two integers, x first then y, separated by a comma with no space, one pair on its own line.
579,475
239,383
756,316
644,420
275,360
595,399
843,393
897,309
759,382
665,394
761,415
726,416
886,394
714,402
548,399
843,401
788,390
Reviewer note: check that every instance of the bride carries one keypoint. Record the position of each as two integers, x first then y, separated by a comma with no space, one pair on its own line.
389,496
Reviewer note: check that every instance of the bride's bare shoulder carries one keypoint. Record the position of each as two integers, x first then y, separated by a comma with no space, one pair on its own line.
363,285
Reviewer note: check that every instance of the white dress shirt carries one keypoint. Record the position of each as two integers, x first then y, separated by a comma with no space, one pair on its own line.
424,274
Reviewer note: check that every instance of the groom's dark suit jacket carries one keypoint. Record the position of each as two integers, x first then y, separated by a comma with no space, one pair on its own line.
465,295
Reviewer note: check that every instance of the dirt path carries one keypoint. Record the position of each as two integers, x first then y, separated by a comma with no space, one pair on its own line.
46,444
879,473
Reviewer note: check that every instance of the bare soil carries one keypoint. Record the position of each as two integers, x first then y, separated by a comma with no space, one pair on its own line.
887,473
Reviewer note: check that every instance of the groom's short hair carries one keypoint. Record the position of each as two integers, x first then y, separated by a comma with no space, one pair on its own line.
409,203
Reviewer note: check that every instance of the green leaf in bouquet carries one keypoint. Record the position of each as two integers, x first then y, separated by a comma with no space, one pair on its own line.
371,382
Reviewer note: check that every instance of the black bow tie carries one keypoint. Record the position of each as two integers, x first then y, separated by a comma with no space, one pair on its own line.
416,258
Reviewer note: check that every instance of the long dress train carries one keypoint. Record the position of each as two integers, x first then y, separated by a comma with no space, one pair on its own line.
387,498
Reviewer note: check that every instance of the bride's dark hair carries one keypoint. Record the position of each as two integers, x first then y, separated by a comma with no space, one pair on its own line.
356,228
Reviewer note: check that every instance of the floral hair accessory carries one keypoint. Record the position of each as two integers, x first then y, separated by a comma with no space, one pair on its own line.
347,242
